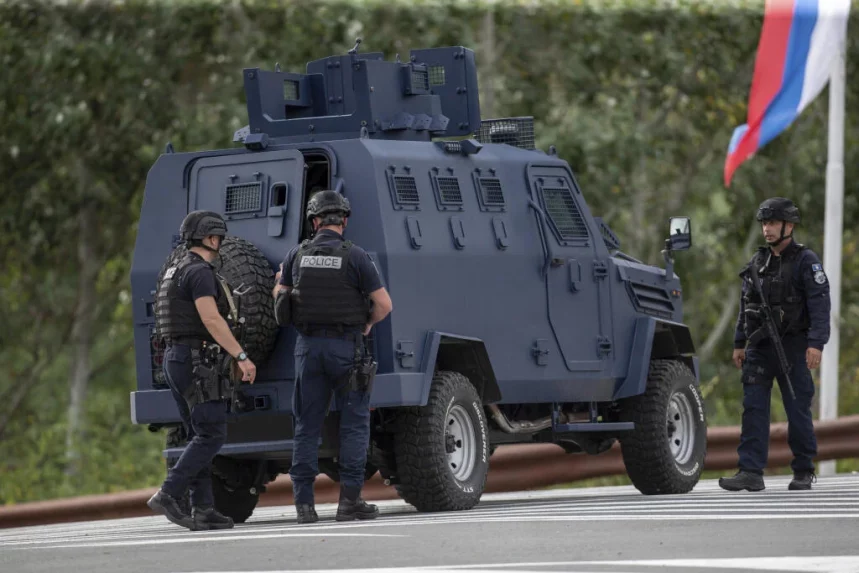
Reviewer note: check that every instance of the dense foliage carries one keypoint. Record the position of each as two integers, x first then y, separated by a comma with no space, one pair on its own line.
640,97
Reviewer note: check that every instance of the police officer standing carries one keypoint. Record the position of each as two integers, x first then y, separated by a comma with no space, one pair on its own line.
190,308
330,283
797,292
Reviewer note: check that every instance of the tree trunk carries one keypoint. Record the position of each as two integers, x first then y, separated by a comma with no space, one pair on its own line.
487,66
729,307
82,334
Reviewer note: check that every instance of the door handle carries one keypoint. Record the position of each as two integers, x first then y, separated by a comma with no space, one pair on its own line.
543,235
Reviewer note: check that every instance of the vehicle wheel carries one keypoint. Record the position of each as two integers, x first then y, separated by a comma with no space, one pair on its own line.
237,502
241,263
665,453
442,449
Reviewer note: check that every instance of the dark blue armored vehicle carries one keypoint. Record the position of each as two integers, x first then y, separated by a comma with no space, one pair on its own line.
516,317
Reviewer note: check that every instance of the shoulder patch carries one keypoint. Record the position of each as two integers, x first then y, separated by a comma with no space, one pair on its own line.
819,277
816,267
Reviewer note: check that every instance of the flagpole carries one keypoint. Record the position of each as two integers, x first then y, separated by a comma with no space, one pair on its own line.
832,244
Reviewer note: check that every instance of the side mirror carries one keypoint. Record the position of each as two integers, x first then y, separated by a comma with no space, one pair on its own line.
679,233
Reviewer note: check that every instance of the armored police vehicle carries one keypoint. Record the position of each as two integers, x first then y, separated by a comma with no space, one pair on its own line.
517,319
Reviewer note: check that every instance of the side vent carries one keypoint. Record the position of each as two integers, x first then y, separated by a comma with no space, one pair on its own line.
404,192
490,194
515,131
447,193
611,240
650,299
243,198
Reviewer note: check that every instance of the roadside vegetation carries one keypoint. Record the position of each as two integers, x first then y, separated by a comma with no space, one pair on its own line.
640,97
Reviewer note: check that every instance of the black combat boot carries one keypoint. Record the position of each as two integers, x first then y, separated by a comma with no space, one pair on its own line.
306,513
206,518
743,480
353,507
170,507
802,480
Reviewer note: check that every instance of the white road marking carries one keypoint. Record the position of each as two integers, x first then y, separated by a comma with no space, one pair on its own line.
833,498
170,537
832,564
839,564
219,539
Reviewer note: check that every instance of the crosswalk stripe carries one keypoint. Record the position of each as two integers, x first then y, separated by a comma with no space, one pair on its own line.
832,498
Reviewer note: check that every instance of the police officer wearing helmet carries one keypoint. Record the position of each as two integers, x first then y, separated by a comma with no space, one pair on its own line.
190,307
797,290
330,283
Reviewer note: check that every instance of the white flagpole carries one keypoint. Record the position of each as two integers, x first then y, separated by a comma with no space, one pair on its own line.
832,244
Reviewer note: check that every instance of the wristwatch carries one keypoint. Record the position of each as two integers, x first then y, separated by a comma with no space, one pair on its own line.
242,356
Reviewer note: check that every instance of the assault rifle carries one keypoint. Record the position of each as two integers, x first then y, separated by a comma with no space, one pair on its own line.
230,369
766,314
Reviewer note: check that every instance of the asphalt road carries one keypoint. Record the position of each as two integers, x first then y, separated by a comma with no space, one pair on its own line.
580,530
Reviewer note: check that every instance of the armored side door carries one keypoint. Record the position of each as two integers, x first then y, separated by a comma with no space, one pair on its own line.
259,195
572,270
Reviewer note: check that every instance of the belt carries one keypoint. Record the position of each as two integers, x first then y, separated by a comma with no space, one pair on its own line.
333,332
194,343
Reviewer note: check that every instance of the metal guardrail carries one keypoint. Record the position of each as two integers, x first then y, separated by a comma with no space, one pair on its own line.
511,468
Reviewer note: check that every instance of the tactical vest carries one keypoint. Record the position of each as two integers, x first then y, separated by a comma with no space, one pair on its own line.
175,313
786,301
323,295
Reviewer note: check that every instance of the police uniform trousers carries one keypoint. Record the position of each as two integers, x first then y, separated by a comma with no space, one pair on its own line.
208,432
759,369
322,365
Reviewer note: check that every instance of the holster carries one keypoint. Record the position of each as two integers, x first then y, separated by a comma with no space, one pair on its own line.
208,382
363,371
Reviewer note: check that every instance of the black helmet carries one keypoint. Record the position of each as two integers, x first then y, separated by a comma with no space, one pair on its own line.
198,225
778,209
330,203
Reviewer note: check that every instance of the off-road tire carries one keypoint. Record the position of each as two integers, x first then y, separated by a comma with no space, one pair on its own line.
236,502
426,479
241,263
647,454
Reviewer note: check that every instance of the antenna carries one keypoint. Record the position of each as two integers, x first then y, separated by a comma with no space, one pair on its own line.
354,50
277,66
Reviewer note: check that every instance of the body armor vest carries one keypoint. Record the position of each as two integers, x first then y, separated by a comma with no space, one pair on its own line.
323,294
785,300
175,313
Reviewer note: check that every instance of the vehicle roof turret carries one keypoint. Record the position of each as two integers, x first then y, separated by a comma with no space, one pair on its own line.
434,94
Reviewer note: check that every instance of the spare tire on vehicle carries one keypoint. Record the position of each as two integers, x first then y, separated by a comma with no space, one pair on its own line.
246,270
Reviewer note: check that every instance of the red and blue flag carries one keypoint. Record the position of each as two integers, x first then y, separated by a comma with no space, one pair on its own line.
799,42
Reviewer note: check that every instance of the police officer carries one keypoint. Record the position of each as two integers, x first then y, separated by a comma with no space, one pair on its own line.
797,290
330,283
190,308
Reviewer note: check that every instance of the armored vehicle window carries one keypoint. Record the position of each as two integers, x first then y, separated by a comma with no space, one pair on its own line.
436,75
447,193
317,177
490,193
420,79
243,198
564,213
404,192
290,90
